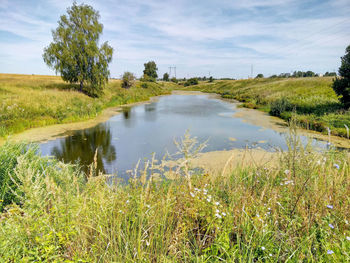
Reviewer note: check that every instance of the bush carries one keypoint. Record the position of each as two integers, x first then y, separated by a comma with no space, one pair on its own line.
128,80
191,81
173,79
279,106
144,85
146,78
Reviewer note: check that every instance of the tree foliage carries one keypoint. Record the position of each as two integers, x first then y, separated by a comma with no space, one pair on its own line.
166,77
75,52
259,76
128,80
341,85
150,71
191,81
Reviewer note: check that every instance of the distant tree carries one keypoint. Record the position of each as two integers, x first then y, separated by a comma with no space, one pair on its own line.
166,77
128,80
173,79
75,53
191,81
341,85
211,79
330,74
309,73
150,71
259,76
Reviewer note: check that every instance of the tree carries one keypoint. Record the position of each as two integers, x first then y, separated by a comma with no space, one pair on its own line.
166,77
259,76
191,81
211,79
150,71
173,79
75,53
341,85
128,80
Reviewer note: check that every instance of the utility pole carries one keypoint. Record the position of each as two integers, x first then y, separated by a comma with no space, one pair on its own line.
175,71
169,72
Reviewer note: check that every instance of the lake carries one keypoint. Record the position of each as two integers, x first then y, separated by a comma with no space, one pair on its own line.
149,128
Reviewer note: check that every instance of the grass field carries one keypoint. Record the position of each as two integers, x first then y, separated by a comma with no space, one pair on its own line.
32,101
298,211
312,99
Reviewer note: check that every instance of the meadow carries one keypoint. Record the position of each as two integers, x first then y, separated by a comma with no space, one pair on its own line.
295,211
28,101
312,100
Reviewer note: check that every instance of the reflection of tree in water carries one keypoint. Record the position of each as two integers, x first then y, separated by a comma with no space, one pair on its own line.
128,117
151,112
81,147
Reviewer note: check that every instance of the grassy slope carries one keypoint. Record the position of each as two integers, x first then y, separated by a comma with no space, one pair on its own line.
31,101
314,100
255,214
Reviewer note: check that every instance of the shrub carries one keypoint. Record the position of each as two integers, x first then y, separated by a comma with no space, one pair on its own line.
128,80
279,106
173,79
191,81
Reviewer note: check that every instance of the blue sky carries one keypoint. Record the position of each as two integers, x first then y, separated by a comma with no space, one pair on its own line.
222,37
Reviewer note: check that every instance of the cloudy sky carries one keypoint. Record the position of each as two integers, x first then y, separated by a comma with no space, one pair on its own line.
222,37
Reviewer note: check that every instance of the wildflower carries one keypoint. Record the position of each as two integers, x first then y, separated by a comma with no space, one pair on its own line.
127,201
336,166
217,211
331,226
263,248
223,214
218,215
319,162
208,200
196,189
348,238
330,252
270,255
192,194
330,206
286,172
217,203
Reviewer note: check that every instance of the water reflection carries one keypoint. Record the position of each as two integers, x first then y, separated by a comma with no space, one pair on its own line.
81,148
151,112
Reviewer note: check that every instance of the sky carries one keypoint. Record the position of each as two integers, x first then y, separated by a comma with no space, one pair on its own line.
222,38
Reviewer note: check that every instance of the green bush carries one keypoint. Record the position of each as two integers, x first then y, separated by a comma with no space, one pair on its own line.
191,82
279,106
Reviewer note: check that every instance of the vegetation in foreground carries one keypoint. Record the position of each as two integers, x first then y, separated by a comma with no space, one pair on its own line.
33,101
312,99
297,211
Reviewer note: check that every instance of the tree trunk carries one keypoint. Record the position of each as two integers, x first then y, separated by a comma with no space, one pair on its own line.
81,86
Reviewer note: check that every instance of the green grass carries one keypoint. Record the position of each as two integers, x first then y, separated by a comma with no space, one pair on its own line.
253,214
315,103
32,101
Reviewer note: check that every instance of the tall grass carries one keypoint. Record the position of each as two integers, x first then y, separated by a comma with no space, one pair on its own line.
33,101
312,99
296,211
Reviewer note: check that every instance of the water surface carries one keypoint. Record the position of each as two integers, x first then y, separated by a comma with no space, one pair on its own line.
151,128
